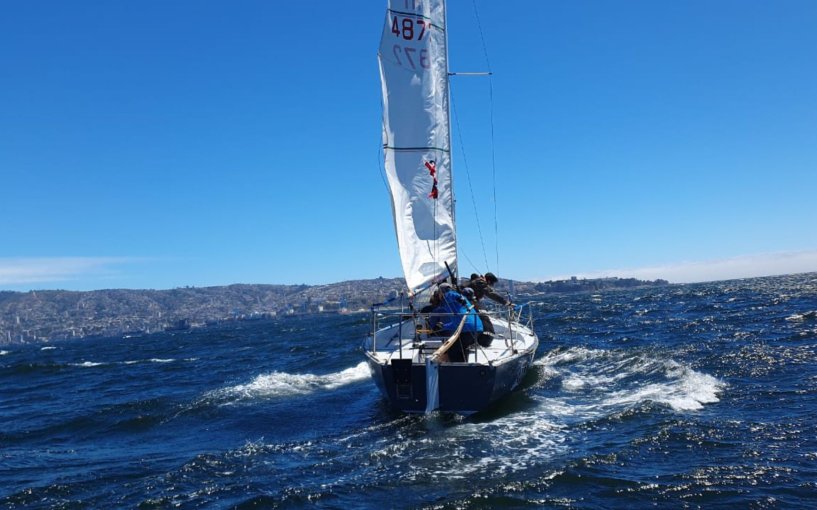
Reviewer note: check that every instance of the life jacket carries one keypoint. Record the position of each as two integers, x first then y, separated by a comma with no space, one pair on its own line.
455,305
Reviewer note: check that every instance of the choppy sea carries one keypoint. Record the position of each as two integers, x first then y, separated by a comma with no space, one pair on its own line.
692,396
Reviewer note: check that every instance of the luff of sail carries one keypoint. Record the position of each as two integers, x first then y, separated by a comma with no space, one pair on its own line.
416,137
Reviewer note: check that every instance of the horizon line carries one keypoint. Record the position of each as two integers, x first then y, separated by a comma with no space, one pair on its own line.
21,271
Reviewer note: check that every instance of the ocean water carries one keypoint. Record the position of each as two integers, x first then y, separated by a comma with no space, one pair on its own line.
686,396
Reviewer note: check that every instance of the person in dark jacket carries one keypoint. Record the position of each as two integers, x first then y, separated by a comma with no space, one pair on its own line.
483,287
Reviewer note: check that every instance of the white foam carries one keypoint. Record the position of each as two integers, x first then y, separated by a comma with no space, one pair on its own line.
569,356
573,383
511,443
151,360
3,353
48,348
687,394
696,389
595,382
282,384
87,364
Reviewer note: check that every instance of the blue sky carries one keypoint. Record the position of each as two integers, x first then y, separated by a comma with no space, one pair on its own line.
158,144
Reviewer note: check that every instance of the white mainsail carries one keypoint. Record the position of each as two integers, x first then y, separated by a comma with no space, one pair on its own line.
416,137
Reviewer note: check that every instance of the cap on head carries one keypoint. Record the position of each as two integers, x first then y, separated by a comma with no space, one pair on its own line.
491,278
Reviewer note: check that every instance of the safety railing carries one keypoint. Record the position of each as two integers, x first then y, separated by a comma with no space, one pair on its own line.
389,326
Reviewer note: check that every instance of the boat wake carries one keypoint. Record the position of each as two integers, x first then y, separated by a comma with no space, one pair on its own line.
283,384
574,389
597,382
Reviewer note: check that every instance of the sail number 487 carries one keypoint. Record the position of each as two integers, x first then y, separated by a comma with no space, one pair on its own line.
407,28
410,29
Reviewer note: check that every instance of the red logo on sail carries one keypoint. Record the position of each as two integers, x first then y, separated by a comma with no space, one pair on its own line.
432,171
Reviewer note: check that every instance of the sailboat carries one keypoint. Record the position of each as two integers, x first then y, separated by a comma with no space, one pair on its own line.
407,358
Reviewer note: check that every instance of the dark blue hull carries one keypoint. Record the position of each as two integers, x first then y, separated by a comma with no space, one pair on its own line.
464,388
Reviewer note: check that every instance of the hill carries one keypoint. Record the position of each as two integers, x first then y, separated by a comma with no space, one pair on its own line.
58,314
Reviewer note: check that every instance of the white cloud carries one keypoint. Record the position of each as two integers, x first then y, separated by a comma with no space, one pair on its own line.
25,271
744,266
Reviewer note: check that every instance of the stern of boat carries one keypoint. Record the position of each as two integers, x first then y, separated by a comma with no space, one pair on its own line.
398,355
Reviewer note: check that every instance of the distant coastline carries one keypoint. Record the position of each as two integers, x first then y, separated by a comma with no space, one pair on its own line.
53,315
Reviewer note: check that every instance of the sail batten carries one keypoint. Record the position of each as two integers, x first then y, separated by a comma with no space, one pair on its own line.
416,137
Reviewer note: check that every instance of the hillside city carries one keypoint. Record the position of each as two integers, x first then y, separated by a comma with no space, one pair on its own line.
51,315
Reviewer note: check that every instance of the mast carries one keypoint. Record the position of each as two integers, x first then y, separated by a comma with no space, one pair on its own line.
451,153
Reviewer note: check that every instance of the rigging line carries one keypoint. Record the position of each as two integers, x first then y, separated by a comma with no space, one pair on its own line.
474,266
493,144
493,172
468,174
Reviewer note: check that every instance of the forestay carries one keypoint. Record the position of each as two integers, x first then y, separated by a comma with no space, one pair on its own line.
416,137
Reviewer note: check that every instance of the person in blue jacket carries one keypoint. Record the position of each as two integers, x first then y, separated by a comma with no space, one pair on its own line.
451,307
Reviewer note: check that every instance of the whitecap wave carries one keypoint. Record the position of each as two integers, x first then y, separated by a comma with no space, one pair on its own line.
3,353
151,360
86,364
801,317
48,348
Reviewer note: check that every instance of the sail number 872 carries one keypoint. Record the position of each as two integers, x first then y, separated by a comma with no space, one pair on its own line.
410,57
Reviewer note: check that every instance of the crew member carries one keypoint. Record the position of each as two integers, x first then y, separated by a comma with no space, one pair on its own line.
446,317
483,287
